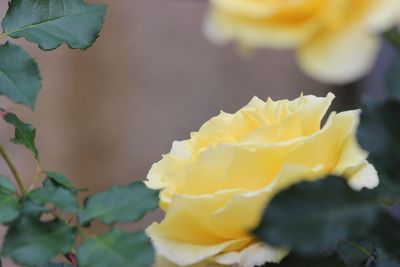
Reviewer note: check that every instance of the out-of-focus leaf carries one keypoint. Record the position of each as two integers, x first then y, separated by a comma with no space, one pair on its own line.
24,133
388,190
119,204
9,207
385,260
387,236
31,242
393,79
294,260
60,179
32,209
379,133
393,36
6,186
313,216
388,263
50,23
356,254
19,75
61,197
57,265
116,248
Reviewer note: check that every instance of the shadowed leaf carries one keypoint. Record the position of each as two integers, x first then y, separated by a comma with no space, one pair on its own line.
33,243
313,216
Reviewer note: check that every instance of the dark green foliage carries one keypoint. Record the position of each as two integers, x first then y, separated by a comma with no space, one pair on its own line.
19,75
24,133
294,260
116,248
33,243
386,236
388,190
393,79
119,204
379,133
355,254
50,23
313,216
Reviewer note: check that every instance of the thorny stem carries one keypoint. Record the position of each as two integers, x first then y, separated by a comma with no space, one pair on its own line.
14,171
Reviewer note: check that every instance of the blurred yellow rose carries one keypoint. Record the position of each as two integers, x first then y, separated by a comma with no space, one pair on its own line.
216,184
336,40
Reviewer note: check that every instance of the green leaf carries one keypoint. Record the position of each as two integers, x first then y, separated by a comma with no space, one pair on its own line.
32,209
24,133
6,185
384,259
116,248
57,265
62,198
9,207
50,23
60,179
379,133
388,263
313,216
388,191
19,75
294,260
393,36
34,243
393,78
386,235
356,254
119,204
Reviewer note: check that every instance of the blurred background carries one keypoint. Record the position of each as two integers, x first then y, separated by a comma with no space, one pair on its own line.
106,114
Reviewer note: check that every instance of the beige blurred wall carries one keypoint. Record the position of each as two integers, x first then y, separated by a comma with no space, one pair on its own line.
106,114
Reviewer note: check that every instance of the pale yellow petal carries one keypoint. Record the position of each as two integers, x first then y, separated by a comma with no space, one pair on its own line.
221,27
383,15
254,255
340,57
313,111
260,253
163,262
246,208
324,147
352,155
162,173
183,253
365,177
229,258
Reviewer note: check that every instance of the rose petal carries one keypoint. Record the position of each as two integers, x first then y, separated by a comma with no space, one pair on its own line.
339,57
365,177
183,253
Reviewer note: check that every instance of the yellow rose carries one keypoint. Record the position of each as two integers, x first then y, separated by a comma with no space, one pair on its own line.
336,40
216,185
